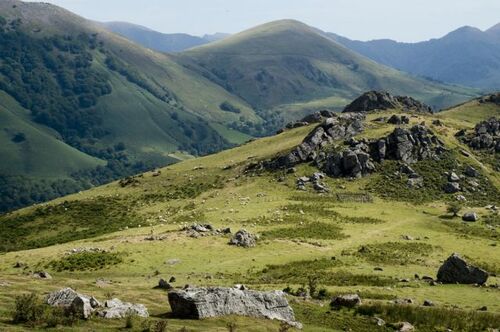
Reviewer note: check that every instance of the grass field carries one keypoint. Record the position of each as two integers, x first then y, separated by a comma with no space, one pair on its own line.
303,235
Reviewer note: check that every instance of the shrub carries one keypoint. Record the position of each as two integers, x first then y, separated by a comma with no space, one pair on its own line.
454,208
313,230
29,309
396,253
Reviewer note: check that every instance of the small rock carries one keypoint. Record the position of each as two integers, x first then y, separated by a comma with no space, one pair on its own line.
404,327
453,177
117,309
483,308
378,321
42,275
471,172
163,284
470,217
348,301
378,269
172,279
428,303
452,187
243,238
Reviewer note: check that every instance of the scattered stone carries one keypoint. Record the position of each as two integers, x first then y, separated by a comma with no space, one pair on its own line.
243,238
457,270
163,284
437,123
428,303
461,198
470,217
486,136
452,187
404,327
173,261
172,279
464,153
200,303
381,100
42,275
379,321
403,301
453,177
19,265
471,172
398,120
483,308
407,237
117,309
378,269
348,301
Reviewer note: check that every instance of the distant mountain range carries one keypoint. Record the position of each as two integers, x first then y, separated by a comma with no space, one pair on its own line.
158,41
466,56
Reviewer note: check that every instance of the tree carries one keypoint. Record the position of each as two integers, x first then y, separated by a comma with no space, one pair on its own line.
454,208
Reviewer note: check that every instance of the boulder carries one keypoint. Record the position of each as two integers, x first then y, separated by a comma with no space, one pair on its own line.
243,238
382,100
404,327
470,216
200,303
486,136
117,309
348,301
471,172
451,187
453,177
398,120
69,299
457,270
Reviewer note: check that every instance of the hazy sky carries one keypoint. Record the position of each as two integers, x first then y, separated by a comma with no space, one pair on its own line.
403,20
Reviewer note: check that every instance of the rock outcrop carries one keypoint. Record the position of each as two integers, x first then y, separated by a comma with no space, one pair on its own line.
486,136
340,126
316,117
457,270
200,303
382,100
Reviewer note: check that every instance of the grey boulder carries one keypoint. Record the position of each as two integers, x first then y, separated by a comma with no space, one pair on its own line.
457,270
200,303
243,238
117,309
69,299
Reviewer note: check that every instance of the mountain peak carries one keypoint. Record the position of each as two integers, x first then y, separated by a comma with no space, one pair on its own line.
494,29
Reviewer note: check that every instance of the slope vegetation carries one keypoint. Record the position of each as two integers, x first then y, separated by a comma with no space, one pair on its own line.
374,236
114,107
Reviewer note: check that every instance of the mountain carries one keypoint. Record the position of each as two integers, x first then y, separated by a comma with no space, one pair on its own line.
377,236
288,66
466,56
81,106
158,41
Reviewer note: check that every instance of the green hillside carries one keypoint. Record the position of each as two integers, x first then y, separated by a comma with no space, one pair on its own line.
282,63
374,236
106,108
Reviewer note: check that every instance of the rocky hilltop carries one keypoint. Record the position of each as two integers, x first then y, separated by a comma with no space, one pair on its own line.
382,100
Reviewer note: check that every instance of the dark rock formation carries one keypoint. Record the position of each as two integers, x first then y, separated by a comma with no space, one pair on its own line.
348,301
470,217
457,270
493,98
486,136
341,126
381,100
200,303
398,120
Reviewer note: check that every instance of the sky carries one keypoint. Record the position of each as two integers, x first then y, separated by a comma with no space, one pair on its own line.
402,20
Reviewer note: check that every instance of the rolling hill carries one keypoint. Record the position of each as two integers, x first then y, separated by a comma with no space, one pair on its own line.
284,63
466,56
162,42
375,236
91,106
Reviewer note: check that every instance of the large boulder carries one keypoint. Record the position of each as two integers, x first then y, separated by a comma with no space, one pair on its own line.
470,216
382,100
72,301
117,309
200,303
457,270
243,238
486,136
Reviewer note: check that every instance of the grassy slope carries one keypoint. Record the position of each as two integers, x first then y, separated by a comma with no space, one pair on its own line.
238,201
41,154
302,65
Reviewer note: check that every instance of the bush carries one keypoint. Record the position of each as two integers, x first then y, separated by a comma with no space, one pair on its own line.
29,309
454,208
313,230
